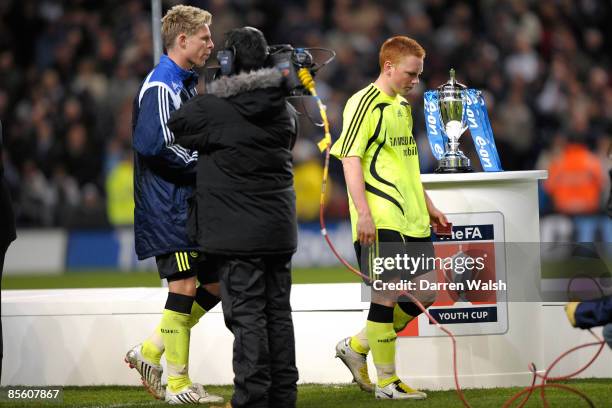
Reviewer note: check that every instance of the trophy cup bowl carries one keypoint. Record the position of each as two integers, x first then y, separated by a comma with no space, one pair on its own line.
452,101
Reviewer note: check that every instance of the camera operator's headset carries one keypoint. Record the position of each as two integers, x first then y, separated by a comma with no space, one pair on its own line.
227,57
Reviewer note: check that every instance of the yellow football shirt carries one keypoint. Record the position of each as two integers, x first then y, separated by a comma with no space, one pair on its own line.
378,129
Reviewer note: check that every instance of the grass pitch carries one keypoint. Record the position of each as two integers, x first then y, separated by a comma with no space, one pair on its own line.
112,278
339,396
115,279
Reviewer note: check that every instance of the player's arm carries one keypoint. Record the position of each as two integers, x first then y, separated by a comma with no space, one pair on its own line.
353,174
350,148
436,216
154,140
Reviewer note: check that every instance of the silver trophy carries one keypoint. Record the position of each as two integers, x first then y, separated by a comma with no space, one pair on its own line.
452,99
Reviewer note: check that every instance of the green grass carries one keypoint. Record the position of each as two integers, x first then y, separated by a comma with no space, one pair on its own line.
115,279
341,396
594,268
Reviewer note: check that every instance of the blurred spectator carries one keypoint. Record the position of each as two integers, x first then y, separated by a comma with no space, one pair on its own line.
576,184
120,192
66,194
516,139
90,213
79,156
523,63
121,86
602,152
90,80
307,174
68,67
35,205
550,152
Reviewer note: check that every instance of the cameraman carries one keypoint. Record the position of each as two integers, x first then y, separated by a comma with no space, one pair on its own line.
244,213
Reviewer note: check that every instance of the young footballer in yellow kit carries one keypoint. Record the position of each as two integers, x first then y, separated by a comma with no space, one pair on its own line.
388,206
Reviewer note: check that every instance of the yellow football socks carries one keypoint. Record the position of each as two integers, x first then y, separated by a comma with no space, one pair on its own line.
400,318
175,330
153,347
381,338
196,314
359,342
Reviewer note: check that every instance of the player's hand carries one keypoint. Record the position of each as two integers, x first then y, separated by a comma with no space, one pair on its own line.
437,217
366,231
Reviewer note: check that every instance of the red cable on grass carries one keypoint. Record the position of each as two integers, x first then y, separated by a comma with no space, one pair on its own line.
545,377
542,386
533,370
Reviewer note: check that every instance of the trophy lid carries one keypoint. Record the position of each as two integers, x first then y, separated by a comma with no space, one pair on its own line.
452,83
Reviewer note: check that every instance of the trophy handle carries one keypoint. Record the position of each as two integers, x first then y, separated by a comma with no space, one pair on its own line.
466,101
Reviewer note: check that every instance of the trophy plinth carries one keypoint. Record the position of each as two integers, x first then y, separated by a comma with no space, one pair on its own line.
452,99
454,162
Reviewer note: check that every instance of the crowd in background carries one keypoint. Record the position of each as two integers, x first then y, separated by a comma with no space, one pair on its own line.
69,70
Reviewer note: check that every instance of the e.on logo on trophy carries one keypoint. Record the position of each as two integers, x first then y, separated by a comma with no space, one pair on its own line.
471,278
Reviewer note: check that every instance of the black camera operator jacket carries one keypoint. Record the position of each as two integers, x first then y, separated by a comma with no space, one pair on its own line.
243,130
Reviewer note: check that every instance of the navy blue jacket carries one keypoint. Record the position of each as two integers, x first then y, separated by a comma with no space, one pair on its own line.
594,313
164,172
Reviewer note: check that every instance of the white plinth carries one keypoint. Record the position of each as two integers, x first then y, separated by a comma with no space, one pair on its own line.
80,336
513,193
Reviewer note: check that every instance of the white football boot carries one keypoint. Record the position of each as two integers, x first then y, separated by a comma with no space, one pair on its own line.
150,374
356,363
398,390
192,394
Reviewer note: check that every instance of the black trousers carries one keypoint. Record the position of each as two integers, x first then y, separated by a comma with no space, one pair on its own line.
255,298
3,249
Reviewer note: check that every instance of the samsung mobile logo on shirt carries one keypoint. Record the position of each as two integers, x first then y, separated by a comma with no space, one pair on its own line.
402,141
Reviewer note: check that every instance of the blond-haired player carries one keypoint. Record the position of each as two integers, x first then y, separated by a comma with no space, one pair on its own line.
164,180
